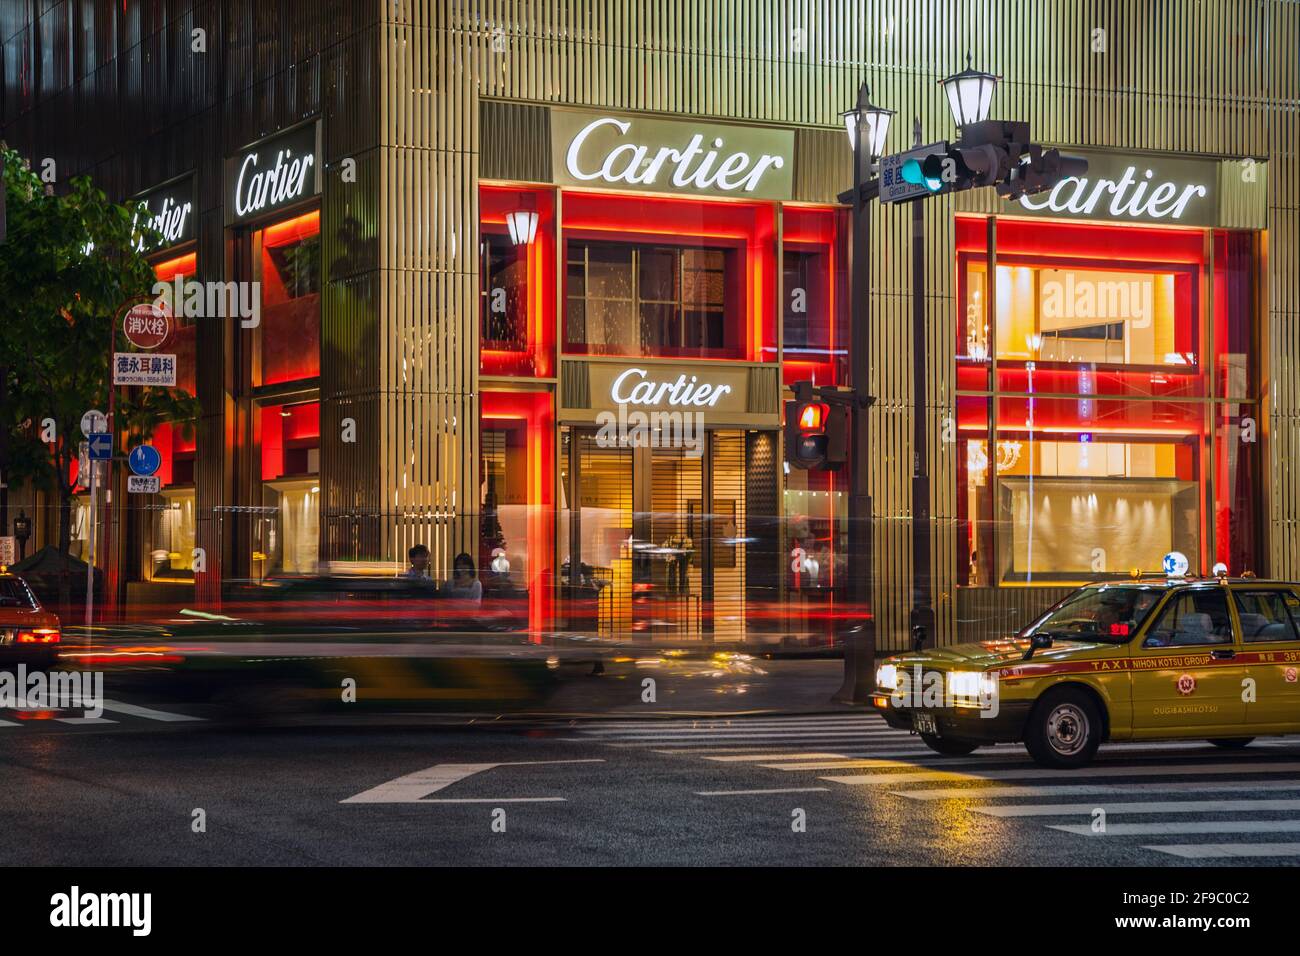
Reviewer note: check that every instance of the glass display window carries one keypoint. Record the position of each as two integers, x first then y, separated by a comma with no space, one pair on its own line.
670,278
287,263
814,308
516,281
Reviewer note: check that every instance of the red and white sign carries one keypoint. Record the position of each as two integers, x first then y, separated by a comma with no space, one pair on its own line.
1186,684
1290,675
147,325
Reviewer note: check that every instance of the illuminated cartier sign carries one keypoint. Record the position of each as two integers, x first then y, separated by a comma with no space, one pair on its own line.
170,210
1144,189
629,152
275,173
635,387
1130,197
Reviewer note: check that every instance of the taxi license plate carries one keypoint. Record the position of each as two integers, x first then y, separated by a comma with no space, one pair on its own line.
925,724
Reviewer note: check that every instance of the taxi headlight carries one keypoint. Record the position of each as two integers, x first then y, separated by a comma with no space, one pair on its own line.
887,677
970,688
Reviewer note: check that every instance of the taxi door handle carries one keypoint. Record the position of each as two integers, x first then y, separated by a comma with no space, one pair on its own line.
1223,653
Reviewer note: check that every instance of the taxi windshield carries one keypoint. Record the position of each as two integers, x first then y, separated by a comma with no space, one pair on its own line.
1110,614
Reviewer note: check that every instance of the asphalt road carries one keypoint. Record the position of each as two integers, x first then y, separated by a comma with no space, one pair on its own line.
815,789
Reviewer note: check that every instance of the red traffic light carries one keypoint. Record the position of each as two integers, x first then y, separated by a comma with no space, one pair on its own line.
812,417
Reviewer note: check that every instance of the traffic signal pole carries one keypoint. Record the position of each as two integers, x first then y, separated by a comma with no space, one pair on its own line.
860,637
922,615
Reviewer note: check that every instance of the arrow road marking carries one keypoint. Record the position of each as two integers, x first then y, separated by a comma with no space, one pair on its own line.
414,787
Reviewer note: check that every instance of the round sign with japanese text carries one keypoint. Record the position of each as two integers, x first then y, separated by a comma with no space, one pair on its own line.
147,325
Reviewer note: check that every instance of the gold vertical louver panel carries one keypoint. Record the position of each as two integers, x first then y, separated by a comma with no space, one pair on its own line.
1208,78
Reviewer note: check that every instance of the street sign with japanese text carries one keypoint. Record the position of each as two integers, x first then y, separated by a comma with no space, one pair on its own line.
130,368
93,421
143,484
147,325
8,550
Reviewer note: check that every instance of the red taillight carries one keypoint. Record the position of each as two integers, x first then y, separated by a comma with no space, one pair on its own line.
38,635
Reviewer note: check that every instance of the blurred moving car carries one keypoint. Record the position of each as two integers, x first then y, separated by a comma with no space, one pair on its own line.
1175,658
352,603
29,634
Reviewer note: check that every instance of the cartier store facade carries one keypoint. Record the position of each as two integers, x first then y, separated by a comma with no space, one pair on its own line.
551,273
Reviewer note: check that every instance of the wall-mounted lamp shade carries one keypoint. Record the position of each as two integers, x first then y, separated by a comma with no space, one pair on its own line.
522,225
876,119
970,93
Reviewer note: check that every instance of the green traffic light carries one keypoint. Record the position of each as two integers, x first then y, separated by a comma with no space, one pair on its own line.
912,172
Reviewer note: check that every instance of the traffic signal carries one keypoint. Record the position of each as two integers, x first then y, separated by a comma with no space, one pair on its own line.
1039,171
985,155
805,433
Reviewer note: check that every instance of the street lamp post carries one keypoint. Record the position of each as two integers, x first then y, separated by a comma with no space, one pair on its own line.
867,126
969,94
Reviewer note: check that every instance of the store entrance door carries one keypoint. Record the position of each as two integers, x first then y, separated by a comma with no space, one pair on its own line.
656,535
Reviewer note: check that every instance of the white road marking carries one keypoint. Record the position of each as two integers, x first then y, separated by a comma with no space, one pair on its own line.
741,758
744,793
1153,806
839,736
1187,827
84,720
414,787
1098,789
1223,851
135,710
890,779
718,722
492,800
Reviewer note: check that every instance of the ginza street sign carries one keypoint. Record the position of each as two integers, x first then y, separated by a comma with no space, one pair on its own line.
627,151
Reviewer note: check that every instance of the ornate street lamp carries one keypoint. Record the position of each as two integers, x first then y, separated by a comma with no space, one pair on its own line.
970,93
874,119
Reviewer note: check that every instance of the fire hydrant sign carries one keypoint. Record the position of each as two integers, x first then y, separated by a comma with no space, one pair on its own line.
147,325
143,484
131,368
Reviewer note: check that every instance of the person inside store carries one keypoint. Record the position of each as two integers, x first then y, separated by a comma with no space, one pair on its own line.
418,556
464,583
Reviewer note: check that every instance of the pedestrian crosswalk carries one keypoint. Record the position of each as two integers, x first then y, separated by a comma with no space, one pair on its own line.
59,713
1179,799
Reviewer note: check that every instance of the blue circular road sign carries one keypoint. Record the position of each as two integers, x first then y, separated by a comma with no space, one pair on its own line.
144,459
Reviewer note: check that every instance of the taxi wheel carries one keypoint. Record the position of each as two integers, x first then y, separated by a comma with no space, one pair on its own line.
1231,743
1064,730
947,746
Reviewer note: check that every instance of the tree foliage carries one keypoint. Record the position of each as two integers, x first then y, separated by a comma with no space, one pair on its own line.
69,265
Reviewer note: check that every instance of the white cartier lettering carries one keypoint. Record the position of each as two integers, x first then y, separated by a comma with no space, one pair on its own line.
1128,195
649,392
265,189
693,166
170,220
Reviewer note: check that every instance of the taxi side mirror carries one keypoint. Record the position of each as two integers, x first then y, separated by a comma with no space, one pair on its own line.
1037,642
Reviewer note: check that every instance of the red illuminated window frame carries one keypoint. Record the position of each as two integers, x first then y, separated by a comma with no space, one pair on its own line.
818,351
289,330
533,354
747,228
532,415
288,432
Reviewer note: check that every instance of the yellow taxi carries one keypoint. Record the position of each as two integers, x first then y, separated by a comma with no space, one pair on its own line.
1140,660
